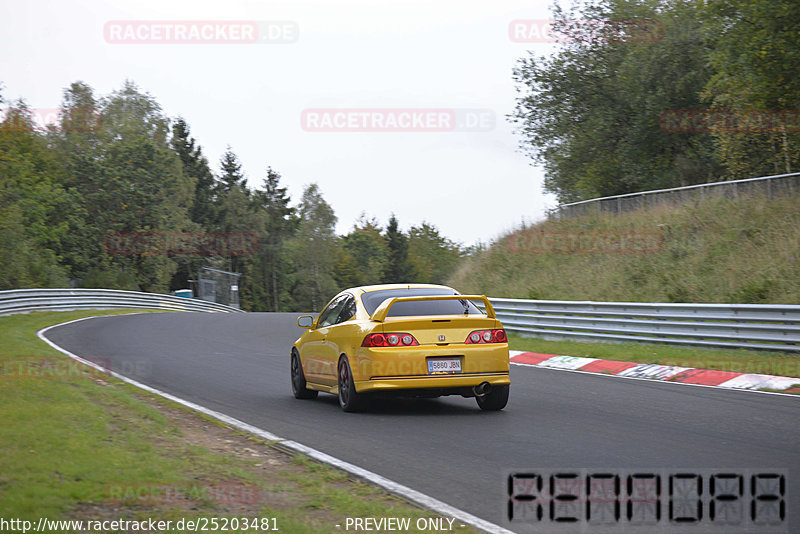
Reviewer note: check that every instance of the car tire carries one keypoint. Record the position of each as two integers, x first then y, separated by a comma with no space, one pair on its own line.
299,388
349,399
495,400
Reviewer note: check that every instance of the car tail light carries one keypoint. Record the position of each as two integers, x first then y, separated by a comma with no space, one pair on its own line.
393,339
498,335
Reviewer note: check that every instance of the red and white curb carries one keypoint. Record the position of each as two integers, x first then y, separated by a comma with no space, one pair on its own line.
683,375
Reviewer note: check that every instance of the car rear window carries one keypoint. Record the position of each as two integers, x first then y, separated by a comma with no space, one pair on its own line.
373,299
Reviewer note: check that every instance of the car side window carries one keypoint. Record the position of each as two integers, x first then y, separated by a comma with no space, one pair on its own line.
348,309
331,313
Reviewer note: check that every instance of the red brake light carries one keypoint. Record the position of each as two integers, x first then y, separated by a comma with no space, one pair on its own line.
375,340
498,335
389,340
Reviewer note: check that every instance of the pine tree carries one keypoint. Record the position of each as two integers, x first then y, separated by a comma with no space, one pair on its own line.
433,256
314,247
232,175
365,254
281,222
195,165
398,270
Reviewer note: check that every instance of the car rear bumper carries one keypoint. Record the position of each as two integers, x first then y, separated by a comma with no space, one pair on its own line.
448,384
411,363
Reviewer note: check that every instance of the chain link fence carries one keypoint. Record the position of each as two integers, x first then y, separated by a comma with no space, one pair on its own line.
767,186
215,285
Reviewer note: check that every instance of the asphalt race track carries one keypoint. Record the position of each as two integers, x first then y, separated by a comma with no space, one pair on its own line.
238,364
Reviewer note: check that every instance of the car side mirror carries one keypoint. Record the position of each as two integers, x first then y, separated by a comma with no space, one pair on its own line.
305,321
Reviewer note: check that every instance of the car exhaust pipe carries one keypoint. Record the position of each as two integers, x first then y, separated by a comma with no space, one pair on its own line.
482,389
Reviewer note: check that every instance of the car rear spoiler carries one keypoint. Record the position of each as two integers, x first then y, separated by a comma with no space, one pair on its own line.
383,310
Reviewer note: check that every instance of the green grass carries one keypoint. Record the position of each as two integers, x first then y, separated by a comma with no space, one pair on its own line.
717,250
740,361
78,444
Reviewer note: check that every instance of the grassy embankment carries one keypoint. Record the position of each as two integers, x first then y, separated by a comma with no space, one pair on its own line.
78,444
743,251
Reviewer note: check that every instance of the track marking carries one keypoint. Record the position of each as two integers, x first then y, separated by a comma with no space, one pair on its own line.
391,486
651,380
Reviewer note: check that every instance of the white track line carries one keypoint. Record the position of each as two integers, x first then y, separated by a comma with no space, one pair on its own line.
412,495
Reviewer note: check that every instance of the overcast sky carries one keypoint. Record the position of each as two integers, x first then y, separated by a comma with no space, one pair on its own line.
440,61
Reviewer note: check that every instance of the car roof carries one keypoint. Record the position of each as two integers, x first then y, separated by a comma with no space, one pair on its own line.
379,287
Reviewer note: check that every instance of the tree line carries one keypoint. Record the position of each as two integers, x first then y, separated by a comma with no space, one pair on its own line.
648,94
117,165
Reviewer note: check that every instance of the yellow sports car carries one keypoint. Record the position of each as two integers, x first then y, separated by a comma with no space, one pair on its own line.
417,340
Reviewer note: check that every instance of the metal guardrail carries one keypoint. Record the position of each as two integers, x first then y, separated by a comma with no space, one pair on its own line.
769,186
28,300
751,326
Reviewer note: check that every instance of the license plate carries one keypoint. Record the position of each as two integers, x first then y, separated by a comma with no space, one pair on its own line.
444,366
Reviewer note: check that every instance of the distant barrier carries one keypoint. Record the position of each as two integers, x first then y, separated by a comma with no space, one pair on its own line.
768,186
750,326
28,300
